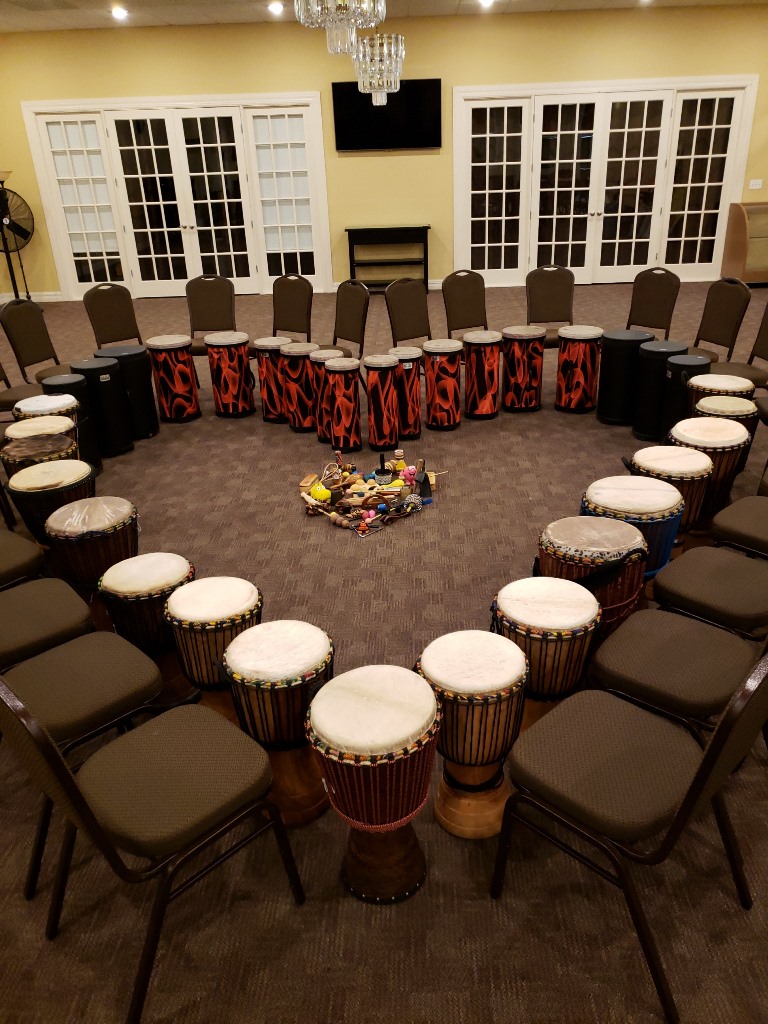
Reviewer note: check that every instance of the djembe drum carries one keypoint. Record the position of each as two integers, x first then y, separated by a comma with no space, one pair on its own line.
87,536
135,592
322,386
38,491
408,388
740,410
270,386
522,350
374,731
478,678
553,621
383,418
705,385
46,405
30,451
481,374
344,382
686,469
41,426
724,441
578,359
205,616
175,380
607,556
297,380
442,378
231,377
275,670
654,506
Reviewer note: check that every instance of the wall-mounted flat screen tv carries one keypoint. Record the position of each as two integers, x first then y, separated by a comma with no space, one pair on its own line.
410,119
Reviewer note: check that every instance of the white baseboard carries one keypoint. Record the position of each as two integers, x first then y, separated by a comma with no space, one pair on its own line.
434,285
36,296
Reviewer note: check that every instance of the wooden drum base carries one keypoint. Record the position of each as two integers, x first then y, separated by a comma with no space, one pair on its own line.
384,867
471,815
297,785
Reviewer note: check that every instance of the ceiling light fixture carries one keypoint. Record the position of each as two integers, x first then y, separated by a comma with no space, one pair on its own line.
378,62
119,13
486,4
275,8
341,19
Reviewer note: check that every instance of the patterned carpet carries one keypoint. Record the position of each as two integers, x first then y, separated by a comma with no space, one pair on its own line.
559,946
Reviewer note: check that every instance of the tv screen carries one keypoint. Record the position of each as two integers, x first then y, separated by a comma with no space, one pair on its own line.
411,118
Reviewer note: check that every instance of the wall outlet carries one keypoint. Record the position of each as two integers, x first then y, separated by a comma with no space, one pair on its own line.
756,183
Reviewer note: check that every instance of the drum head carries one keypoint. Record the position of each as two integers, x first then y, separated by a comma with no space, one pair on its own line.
46,405
593,537
39,425
473,661
268,344
165,341
277,651
89,515
380,362
482,337
145,574
39,447
212,599
406,353
524,332
721,382
377,709
442,346
324,355
669,460
298,348
223,338
581,332
634,495
342,364
726,405
710,432
49,475
545,602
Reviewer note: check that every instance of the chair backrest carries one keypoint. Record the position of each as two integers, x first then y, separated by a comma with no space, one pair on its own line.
736,731
464,298
110,310
549,295
211,304
654,294
724,309
760,348
406,301
292,305
42,760
352,298
27,333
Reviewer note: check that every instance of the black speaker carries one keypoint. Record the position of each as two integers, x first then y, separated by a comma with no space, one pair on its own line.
651,387
619,356
108,402
75,384
136,371
679,370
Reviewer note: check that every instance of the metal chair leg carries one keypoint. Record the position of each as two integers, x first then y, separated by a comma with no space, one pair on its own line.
149,950
284,846
732,850
647,941
38,848
60,882
502,851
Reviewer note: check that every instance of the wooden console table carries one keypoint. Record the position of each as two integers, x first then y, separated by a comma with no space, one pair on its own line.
407,235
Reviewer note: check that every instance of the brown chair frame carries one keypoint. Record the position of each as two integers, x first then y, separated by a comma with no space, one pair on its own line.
350,323
664,310
407,308
728,287
117,300
207,314
719,758
292,297
464,300
44,349
165,869
541,307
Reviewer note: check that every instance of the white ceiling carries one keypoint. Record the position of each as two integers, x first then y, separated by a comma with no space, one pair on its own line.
47,15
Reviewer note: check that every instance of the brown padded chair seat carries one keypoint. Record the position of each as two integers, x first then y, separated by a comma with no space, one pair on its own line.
84,683
674,662
611,765
19,558
761,402
10,396
165,783
744,523
52,371
723,586
697,350
37,615
756,374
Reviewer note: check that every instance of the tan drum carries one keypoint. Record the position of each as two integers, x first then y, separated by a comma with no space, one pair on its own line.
478,678
41,426
87,536
724,441
704,385
685,468
46,405
374,731
135,592
553,621
608,556
205,617
30,451
275,669
741,410
38,491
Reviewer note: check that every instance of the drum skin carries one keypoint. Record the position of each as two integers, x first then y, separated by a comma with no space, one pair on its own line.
175,383
298,381
523,367
232,380
383,419
481,380
270,389
408,388
442,374
577,366
140,618
84,560
345,434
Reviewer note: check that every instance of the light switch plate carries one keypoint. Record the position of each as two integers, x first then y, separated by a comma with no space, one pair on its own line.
756,183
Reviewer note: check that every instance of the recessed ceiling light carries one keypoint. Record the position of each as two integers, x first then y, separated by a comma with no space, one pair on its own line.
275,8
119,13
486,3
646,2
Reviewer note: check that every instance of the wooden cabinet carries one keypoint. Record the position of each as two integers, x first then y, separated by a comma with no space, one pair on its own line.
746,243
390,247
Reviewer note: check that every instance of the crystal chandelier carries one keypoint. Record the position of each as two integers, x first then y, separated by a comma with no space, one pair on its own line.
340,19
378,62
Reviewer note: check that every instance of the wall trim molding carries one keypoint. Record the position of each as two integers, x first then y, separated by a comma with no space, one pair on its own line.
36,296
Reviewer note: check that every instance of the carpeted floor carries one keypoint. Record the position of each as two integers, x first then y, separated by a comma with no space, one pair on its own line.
559,946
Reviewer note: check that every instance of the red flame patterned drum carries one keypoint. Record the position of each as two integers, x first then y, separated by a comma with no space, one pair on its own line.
270,387
383,419
298,382
578,360
344,383
522,351
231,375
481,374
175,382
322,386
408,387
442,375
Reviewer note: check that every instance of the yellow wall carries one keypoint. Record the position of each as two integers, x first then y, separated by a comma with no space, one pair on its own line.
381,188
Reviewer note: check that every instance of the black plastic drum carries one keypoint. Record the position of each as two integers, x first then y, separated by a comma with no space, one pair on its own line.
108,402
651,387
136,371
617,390
75,384
676,394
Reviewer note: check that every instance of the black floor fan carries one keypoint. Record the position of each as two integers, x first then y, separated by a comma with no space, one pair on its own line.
17,225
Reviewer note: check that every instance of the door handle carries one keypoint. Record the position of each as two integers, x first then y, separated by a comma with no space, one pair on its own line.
184,227
599,213
591,213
